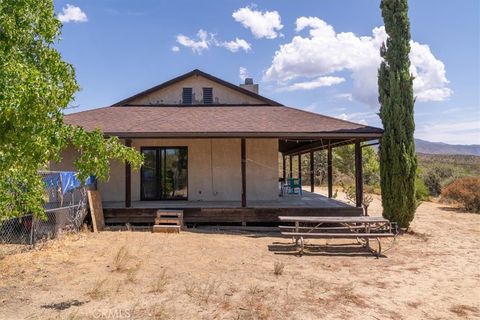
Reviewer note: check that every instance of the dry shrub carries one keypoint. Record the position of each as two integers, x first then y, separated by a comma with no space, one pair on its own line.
160,282
120,259
278,268
255,305
203,292
208,289
465,191
98,291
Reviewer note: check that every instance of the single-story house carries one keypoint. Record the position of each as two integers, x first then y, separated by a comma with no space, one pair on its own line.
212,148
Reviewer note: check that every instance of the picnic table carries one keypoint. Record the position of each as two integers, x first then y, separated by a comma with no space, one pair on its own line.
361,228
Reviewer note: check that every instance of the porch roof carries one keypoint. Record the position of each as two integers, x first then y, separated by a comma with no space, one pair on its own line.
217,121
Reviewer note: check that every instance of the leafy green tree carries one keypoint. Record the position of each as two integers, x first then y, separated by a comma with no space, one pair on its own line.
35,88
398,162
344,163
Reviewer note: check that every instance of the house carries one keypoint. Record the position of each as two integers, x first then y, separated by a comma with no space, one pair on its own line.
212,148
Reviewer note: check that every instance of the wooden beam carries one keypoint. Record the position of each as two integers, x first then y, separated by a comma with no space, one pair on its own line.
291,166
358,174
128,179
312,172
244,171
330,171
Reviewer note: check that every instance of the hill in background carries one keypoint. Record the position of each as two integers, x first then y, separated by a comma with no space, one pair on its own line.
423,146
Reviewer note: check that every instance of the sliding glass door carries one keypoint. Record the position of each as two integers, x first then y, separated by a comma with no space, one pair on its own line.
164,174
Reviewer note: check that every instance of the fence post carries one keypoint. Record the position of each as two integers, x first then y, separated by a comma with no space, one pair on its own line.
32,232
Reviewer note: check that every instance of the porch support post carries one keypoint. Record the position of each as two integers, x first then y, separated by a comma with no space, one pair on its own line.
244,171
128,179
358,174
284,169
330,170
291,166
312,177
299,166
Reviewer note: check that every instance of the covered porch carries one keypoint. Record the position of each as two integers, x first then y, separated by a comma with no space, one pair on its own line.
231,212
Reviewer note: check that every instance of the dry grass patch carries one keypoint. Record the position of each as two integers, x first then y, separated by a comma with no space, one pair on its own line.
98,290
346,294
120,260
160,282
278,268
255,305
203,292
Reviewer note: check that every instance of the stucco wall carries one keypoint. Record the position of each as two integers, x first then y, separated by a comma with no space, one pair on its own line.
112,190
173,93
214,172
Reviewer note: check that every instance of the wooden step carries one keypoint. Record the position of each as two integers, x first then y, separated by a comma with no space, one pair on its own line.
170,213
174,221
166,228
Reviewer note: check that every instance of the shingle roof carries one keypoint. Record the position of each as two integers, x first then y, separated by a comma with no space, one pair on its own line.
213,121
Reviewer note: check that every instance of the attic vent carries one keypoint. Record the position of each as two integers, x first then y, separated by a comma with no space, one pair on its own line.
207,95
187,96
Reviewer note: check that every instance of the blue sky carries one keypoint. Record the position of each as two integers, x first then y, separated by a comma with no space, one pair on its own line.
318,55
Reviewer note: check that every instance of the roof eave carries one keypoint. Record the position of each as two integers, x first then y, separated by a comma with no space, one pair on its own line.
280,135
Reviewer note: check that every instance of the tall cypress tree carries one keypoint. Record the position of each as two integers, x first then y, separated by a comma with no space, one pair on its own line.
398,161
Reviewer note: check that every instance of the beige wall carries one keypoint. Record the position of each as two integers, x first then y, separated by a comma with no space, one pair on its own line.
173,93
214,172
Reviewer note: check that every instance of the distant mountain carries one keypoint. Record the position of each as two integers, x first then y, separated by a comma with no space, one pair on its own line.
423,146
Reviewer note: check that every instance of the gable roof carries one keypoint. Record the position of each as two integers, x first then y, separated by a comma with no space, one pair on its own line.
217,121
196,72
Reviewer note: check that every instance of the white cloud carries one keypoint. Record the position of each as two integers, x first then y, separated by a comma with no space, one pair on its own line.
430,79
324,52
315,83
243,73
204,40
358,117
451,131
201,43
235,45
72,13
261,24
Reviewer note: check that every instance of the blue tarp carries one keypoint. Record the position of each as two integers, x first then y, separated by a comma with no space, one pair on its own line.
67,180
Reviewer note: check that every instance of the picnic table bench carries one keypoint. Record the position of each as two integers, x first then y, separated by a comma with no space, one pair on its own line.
361,228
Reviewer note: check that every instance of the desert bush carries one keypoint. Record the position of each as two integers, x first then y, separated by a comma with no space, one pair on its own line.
465,191
278,268
421,191
160,282
437,176
433,183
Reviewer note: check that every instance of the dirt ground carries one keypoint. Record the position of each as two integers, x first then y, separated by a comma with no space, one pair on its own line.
430,273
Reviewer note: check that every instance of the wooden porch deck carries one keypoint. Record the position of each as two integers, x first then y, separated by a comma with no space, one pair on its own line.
228,212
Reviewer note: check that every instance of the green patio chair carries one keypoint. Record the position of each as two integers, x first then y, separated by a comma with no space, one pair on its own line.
294,184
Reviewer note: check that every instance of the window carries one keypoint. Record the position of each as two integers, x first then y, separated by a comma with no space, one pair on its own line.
207,95
187,96
164,174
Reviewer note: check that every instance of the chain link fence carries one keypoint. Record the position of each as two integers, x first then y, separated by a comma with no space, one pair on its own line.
65,209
